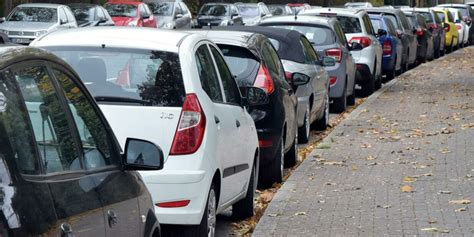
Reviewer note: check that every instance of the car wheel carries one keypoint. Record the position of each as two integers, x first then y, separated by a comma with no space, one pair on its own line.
244,208
437,52
322,123
368,87
207,227
339,104
304,131
351,99
291,158
274,171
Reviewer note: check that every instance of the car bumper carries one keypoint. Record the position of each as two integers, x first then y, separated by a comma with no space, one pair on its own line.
363,73
338,71
388,63
268,148
303,102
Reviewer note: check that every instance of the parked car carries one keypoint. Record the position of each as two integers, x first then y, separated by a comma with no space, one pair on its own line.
404,32
425,49
328,39
358,4
171,14
467,14
299,7
218,14
391,45
463,28
136,14
253,13
279,10
26,22
452,34
62,170
358,29
182,96
254,62
435,26
91,15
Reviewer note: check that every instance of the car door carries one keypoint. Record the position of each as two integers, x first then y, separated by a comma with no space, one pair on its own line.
238,162
186,19
118,191
346,55
408,30
180,22
76,203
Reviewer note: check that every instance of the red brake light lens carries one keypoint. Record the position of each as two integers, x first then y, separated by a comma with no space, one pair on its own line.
175,204
332,80
264,80
335,53
190,131
419,32
447,27
387,48
364,41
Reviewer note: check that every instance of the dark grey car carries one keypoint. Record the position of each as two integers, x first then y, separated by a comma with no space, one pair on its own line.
253,13
170,14
218,14
328,39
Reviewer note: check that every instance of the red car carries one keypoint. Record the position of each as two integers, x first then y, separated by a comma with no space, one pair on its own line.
131,14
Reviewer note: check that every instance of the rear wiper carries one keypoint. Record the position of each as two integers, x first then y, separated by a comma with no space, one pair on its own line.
121,100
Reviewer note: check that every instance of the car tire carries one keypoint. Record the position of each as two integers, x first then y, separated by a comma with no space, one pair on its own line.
339,105
322,123
243,209
207,227
351,99
368,87
274,170
437,52
291,157
304,131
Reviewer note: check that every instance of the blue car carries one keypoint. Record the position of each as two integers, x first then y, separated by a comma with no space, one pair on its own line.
391,44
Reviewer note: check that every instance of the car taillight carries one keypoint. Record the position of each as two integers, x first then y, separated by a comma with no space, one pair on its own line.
335,53
432,26
387,48
332,80
419,32
190,131
175,204
458,26
264,80
447,27
364,41
399,34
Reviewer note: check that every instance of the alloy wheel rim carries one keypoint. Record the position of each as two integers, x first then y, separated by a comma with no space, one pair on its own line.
326,112
211,214
307,122
296,146
282,157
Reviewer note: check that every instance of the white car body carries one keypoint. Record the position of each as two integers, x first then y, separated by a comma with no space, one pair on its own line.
463,28
227,153
371,55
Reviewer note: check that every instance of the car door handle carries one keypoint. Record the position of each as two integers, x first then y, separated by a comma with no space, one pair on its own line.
217,119
237,123
112,218
66,230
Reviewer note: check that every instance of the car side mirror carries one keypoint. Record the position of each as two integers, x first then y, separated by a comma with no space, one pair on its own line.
2,19
255,96
145,17
299,79
178,16
381,32
457,21
233,16
62,22
355,46
263,14
328,61
142,155
102,20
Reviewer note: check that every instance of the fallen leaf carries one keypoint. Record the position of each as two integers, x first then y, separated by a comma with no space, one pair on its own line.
408,179
461,209
365,145
445,192
323,146
462,201
432,222
445,150
371,158
300,213
274,214
447,130
406,189
267,197
384,206
434,229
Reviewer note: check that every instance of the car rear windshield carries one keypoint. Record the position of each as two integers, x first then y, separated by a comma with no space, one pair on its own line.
214,10
413,21
34,14
248,10
349,24
162,8
121,10
428,17
83,14
277,10
242,63
441,16
317,35
138,77
464,11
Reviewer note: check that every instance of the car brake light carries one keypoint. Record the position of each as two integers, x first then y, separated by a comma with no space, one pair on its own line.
182,203
264,80
336,53
364,41
458,26
190,131
419,32
432,25
387,48
332,80
265,143
447,27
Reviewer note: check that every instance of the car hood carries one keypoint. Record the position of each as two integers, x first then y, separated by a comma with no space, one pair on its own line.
251,20
163,20
123,21
27,26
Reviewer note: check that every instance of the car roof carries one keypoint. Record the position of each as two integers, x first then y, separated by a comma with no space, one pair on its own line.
11,53
383,10
237,38
454,5
125,2
340,11
83,5
321,20
45,5
417,9
128,37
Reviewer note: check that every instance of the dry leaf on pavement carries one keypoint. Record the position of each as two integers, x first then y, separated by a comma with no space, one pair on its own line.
462,201
302,213
461,209
445,192
434,229
406,189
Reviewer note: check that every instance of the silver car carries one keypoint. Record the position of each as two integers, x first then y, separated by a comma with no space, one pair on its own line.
253,13
26,22
328,39
170,14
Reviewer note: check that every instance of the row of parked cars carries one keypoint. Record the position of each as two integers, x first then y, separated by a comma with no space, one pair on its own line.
204,115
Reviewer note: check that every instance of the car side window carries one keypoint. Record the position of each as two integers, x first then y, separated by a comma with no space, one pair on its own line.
49,120
340,34
184,9
310,55
271,60
62,15
95,143
141,9
70,16
450,17
178,9
391,28
231,91
368,25
234,9
207,74
147,10
405,23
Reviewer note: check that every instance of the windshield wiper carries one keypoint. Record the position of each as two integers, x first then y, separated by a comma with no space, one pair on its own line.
121,100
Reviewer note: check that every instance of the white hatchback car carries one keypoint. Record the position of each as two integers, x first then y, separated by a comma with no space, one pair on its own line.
174,89
358,29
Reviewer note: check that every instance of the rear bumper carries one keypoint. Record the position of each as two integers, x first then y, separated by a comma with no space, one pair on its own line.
388,63
268,139
338,71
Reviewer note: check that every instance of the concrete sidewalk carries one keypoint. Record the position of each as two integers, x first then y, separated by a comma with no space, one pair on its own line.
401,164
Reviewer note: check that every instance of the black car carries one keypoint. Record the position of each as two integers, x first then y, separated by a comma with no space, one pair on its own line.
91,15
218,14
255,62
467,13
404,32
435,26
61,168
425,49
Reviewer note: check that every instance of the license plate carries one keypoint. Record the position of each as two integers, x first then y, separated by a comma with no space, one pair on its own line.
20,40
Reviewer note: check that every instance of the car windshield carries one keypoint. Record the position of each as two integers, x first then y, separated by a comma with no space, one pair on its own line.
214,10
350,25
161,9
277,10
248,11
141,77
33,14
83,14
121,10
428,17
316,35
